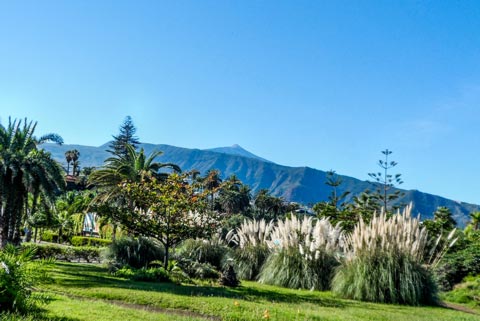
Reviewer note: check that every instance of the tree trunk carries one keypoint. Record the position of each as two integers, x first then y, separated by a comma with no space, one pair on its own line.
3,230
114,232
166,257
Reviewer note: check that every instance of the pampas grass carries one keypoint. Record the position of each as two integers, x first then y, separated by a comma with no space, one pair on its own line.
251,250
303,253
385,260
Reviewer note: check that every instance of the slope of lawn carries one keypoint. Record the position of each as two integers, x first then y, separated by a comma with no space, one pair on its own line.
87,292
467,293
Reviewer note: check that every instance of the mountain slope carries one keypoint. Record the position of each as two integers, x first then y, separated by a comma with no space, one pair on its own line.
237,150
300,184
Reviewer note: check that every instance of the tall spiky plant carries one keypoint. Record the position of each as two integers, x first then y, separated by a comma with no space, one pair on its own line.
387,261
303,254
252,249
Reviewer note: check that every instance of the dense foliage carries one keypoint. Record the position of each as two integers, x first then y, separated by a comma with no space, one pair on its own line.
133,252
19,272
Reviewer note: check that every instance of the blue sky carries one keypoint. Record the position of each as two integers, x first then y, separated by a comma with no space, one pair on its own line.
302,83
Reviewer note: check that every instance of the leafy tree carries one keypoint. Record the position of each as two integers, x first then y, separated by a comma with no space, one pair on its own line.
126,137
386,182
334,181
475,220
338,213
130,168
268,206
169,211
234,196
24,169
442,221
211,183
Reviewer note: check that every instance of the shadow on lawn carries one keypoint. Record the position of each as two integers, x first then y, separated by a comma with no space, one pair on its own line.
85,276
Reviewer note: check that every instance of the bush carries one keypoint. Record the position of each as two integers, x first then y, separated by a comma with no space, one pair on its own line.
65,253
197,270
466,292
134,252
229,277
49,236
213,251
384,262
18,274
89,241
457,265
304,254
153,274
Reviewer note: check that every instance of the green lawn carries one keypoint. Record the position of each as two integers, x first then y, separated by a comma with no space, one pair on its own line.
87,292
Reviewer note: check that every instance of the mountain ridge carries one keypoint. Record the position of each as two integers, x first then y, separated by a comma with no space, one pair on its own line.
299,184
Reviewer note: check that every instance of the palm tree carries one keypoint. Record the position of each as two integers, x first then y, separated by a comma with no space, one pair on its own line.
132,167
75,162
68,158
24,168
475,220
211,183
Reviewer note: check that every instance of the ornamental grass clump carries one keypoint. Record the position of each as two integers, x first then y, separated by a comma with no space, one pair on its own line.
251,249
304,253
387,261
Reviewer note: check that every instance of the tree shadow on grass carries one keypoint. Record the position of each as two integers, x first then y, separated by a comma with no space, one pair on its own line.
89,276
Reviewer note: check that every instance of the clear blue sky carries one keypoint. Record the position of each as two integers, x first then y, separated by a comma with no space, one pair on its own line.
302,83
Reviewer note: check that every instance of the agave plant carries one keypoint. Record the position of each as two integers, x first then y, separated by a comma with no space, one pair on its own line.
251,250
304,253
387,261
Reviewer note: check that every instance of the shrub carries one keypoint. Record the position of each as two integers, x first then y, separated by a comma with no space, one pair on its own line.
18,274
466,292
384,262
133,252
251,250
197,270
153,274
304,254
89,241
65,253
49,236
213,251
457,265
229,277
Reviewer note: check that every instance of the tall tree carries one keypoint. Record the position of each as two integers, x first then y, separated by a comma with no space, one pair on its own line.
126,137
68,158
475,220
386,181
268,206
75,162
168,210
442,221
130,168
24,168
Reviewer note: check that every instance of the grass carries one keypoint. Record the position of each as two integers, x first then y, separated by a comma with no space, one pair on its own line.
87,292
467,293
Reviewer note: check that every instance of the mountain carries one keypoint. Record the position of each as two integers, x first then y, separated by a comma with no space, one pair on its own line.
298,184
237,150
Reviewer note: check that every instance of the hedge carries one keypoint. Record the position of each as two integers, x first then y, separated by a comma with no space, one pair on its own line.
89,241
66,253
